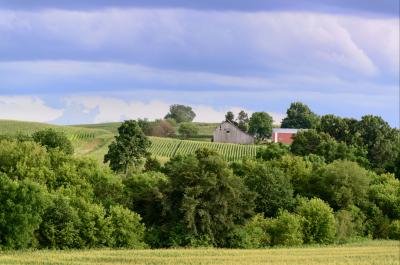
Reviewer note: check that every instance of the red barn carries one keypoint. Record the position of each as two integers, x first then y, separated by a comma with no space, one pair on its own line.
283,135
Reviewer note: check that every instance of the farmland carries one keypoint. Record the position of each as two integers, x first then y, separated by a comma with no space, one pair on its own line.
93,140
372,252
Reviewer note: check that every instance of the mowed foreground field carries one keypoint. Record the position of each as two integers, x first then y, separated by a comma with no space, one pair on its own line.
371,253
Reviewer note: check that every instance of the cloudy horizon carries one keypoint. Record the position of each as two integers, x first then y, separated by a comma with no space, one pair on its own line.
74,62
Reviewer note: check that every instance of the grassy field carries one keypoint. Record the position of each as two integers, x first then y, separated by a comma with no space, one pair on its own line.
93,140
371,253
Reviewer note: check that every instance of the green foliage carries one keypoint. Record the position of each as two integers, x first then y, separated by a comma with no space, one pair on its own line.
384,192
286,229
128,149
180,113
22,204
229,116
312,142
243,121
272,151
205,197
349,223
143,194
394,230
52,139
260,125
318,221
342,183
273,188
342,129
300,116
127,231
152,164
188,130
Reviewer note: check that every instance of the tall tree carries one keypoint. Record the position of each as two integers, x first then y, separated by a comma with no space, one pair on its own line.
128,148
229,116
299,116
205,197
243,121
260,125
180,113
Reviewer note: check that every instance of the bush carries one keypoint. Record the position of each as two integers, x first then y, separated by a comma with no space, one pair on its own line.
394,230
253,234
349,224
52,139
272,151
342,183
188,129
22,204
286,229
272,186
127,231
318,221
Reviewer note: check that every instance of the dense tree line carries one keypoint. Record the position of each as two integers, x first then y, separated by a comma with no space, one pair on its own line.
329,186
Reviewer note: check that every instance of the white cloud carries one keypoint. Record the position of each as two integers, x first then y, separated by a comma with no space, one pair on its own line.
27,108
293,41
114,109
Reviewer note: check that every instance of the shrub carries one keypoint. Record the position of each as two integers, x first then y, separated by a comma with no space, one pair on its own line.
272,186
349,223
188,129
394,230
318,221
22,204
286,229
52,139
127,231
272,151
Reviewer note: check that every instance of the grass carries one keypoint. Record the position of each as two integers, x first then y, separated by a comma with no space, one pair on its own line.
371,253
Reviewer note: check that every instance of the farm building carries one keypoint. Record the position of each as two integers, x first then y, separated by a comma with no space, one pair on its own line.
227,132
283,135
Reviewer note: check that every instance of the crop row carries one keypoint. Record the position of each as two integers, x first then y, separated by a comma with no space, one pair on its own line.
170,147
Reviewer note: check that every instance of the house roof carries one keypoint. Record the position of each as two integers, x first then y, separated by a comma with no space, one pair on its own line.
286,130
234,125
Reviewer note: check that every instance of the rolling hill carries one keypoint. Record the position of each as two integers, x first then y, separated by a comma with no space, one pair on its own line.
92,140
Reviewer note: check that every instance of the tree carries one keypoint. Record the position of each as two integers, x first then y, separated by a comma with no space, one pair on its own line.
243,121
260,125
299,116
180,113
318,221
22,204
229,116
188,129
128,148
52,139
322,144
204,198
342,183
382,141
127,231
272,151
272,186
162,128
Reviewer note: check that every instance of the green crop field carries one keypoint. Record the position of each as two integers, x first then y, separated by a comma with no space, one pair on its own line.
93,140
369,253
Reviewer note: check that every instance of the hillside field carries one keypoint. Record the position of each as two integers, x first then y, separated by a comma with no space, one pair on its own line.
367,253
93,140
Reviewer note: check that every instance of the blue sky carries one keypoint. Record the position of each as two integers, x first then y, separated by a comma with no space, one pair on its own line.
72,62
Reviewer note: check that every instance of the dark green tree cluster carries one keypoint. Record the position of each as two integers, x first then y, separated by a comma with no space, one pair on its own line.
180,113
318,191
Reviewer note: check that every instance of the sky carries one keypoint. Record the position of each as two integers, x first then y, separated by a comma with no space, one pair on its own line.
72,62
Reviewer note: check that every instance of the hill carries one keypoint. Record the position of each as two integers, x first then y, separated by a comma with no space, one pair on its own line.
92,140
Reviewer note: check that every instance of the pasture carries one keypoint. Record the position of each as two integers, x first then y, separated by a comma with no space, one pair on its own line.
367,253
